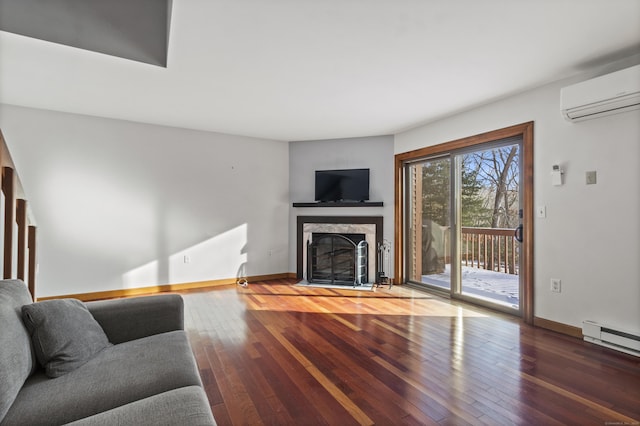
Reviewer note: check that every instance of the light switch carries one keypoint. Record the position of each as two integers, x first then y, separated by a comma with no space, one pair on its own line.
591,178
541,211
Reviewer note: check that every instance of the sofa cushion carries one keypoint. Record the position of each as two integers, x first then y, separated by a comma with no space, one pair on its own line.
16,355
178,407
64,333
118,375
136,317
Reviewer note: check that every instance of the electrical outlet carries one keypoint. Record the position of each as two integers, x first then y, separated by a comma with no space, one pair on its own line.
556,285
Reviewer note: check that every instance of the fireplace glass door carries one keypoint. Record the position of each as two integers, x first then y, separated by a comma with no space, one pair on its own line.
333,260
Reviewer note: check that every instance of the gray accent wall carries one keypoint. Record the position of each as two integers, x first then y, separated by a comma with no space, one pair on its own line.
374,153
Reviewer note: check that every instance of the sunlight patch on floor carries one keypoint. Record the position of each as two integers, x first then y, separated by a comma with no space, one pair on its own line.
382,301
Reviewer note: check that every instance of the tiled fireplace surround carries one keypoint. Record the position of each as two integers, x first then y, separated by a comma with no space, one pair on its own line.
370,226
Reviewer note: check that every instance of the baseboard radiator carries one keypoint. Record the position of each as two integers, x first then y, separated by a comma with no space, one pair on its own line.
615,339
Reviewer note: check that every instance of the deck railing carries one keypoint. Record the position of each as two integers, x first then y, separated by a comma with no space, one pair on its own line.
493,249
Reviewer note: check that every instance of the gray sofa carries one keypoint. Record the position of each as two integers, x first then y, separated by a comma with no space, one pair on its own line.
146,374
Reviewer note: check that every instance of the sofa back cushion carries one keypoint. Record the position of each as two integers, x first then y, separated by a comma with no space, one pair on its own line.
17,359
64,334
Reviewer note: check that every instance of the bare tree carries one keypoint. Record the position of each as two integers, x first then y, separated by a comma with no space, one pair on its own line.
502,169
497,169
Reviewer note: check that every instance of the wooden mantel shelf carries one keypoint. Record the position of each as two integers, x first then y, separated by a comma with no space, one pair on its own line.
341,204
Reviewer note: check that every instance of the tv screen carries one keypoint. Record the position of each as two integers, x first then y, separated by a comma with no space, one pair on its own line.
342,185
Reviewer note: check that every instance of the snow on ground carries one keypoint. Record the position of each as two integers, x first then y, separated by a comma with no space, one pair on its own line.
496,286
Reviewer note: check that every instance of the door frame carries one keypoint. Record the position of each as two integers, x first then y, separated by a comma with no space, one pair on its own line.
525,130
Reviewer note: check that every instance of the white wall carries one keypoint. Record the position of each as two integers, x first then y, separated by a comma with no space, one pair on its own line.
591,236
120,204
374,153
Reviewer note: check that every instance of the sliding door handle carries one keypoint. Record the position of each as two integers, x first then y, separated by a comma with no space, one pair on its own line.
518,233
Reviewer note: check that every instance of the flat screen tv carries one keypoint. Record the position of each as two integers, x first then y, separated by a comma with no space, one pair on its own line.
342,185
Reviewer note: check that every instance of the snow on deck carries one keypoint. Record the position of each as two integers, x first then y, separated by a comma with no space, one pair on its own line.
495,286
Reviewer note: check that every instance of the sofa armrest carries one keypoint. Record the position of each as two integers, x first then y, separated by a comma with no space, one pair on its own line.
128,319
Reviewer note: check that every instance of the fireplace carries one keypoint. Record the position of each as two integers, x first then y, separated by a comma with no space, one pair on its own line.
334,258
347,246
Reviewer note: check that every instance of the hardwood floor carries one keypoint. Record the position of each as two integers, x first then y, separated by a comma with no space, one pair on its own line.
277,354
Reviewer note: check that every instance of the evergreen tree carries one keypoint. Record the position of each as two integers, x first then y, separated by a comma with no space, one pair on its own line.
473,211
436,176
436,199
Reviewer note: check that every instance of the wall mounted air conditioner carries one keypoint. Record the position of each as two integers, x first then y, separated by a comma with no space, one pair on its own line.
609,94
615,339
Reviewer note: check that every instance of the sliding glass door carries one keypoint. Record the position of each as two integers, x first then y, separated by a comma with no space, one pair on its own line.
489,214
463,223
429,231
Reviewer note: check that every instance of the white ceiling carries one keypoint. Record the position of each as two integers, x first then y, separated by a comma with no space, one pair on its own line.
309,69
